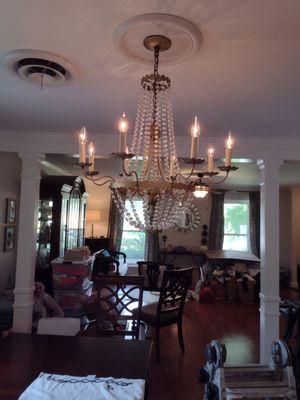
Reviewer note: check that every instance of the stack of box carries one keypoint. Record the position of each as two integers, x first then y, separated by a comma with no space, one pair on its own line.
71,283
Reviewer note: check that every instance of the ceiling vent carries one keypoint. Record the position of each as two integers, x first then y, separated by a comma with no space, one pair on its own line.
40,68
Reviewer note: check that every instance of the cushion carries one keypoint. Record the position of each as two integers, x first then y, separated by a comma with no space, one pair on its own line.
149,315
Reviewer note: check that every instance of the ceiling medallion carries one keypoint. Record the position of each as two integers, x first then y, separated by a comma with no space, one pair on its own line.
150,168
185,36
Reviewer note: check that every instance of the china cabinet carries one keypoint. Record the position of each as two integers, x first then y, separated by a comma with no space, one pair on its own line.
61,220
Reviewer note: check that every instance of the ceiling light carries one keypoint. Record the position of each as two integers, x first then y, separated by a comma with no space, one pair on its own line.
156,179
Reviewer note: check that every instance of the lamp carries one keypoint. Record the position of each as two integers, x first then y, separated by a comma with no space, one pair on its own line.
150,169
92,216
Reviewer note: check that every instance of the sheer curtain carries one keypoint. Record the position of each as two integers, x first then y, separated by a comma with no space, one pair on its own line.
115,226
216,225
254,212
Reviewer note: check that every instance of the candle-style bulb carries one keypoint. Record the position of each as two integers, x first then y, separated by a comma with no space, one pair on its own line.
123,124
195,133
195,130
229,141
210,158
82,142
228,151
91,149
82,135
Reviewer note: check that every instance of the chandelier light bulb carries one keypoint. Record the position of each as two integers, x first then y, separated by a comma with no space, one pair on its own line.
123,128
123,124
195,130
82,143
91,157
229,141
200,192
210,158
195,133
228,151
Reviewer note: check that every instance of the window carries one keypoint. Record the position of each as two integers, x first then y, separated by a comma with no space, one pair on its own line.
236,225
133,240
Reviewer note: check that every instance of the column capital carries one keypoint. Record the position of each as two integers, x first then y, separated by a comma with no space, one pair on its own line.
31,164
26,155
269,169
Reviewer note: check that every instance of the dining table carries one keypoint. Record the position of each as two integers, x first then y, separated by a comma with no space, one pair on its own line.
24,356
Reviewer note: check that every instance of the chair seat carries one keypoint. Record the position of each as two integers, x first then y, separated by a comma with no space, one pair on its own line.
149,315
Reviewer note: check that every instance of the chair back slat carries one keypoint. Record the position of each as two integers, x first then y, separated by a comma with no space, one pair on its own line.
173,291
117,297
152,271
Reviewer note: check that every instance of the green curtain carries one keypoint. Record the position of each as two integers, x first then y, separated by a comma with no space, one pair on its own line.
152,246
254,211
115,226
216,225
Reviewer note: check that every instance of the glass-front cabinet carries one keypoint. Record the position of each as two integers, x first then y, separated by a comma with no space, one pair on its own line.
61,220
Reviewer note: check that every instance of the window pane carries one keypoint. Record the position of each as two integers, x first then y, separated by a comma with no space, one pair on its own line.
236,218
232,242
133,244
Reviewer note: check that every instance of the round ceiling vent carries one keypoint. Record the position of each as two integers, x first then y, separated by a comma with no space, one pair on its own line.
186,38
40,67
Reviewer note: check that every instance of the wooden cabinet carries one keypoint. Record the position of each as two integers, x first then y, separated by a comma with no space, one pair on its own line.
61,221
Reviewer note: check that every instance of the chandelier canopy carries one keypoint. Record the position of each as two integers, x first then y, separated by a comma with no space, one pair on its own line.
151,170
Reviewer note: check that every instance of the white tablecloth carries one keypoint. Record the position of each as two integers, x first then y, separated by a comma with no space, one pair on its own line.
65,387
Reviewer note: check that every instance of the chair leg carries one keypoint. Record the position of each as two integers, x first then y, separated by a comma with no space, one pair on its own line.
157,344
180,335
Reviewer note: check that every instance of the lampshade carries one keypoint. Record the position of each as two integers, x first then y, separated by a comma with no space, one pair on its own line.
92,215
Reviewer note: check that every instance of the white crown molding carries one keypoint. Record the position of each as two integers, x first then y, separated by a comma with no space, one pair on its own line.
105,144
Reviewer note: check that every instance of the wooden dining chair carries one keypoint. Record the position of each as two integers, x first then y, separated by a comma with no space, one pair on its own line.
117,297
152,271
169,309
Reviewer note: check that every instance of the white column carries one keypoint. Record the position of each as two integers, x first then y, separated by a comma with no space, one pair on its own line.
269,253
27,231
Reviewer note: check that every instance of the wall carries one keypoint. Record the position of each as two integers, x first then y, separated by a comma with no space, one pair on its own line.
191,239
99,199
285,221
10,169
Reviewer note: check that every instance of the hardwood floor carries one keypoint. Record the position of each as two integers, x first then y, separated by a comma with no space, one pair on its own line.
233,323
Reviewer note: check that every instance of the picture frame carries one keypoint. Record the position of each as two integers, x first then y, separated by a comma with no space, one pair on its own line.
11,211
9,238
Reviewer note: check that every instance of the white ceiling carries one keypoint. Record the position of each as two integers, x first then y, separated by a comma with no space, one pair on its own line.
245,77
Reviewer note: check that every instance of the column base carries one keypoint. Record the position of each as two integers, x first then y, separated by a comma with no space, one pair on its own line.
269,325
23,307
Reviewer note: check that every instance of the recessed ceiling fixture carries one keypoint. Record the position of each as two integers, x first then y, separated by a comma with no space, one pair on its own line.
40,67
156,179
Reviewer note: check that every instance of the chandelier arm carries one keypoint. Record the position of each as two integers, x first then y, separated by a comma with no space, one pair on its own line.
97,182
211,181
131,173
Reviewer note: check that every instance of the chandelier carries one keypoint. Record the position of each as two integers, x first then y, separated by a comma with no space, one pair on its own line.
150,168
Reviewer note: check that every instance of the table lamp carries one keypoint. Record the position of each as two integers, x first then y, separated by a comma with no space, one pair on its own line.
92,216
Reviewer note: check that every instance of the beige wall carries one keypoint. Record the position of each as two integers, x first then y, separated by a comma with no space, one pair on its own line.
99,199
285,221
10,169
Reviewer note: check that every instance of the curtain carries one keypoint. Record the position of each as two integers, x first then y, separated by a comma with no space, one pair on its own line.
254,211
152,246
115,226
216,225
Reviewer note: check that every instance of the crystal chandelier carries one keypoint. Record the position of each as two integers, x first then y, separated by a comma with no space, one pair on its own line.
151,170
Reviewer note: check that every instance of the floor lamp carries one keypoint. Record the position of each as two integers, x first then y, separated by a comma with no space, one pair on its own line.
92,216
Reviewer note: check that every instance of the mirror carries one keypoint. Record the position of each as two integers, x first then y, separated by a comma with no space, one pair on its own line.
188,219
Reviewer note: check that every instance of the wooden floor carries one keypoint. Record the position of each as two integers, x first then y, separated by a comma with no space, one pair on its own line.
233,323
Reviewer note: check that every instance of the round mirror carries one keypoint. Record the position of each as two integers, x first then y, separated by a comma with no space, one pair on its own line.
188,219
